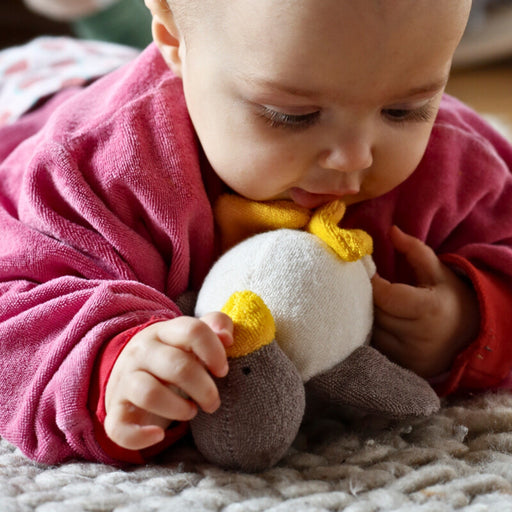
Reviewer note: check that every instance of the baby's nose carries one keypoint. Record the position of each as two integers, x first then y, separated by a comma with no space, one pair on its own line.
351,154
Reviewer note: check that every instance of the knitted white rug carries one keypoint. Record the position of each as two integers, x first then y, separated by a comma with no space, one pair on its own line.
458,459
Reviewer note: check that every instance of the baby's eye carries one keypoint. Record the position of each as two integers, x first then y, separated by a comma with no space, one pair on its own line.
277,119
422,114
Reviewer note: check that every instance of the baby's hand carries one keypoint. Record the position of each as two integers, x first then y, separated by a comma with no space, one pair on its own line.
158,365
423,328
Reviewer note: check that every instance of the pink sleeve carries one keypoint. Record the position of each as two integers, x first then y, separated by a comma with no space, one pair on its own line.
487,362
104,221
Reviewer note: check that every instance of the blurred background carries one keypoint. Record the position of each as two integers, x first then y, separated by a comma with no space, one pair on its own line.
482,71
122,21
482,74
18,24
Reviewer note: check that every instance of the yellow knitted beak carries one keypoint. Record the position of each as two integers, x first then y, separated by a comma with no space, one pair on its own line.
348,244
254,326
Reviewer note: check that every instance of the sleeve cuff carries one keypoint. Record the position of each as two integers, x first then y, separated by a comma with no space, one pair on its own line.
486,363
101,374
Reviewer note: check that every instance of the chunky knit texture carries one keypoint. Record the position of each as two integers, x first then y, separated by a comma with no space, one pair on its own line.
458,459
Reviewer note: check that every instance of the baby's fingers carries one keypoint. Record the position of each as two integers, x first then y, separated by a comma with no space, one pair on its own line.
400,300
195,336
120,427
424,261
222,325
148,393
388,343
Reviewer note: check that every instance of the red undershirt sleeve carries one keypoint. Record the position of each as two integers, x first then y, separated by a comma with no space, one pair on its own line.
487,362
101,374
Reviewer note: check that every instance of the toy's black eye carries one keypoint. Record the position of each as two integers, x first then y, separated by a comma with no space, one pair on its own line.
246,370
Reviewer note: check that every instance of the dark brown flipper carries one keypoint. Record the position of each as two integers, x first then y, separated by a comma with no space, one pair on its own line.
368,381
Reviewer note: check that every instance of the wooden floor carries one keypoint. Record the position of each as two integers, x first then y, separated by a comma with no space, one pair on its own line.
488,89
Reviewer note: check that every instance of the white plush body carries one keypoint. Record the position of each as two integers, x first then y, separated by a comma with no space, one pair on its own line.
322,306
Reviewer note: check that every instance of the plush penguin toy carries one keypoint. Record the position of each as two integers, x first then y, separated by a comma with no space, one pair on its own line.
301,303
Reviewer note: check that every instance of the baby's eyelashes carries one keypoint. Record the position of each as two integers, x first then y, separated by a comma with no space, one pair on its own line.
278,119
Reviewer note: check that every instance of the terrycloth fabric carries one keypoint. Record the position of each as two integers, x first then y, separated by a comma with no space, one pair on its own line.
104,220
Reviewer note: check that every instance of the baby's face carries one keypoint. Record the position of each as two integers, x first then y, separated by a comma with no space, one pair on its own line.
310,100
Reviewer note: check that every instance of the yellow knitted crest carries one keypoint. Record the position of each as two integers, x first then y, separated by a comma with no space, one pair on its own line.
253,323
349,244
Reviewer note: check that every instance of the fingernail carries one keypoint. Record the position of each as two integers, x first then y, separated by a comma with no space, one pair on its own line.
215,406
226,337
192,412
225,370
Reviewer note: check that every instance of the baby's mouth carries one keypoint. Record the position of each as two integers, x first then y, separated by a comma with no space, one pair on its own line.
313,200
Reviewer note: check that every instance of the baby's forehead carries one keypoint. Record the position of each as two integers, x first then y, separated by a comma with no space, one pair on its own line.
345,44
311,17
329,38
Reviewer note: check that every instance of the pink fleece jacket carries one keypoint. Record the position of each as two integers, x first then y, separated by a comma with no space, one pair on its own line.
105,220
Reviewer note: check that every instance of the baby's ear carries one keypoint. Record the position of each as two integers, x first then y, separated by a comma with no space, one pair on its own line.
166,34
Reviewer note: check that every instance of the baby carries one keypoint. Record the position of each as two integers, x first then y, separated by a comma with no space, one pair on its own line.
106,197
